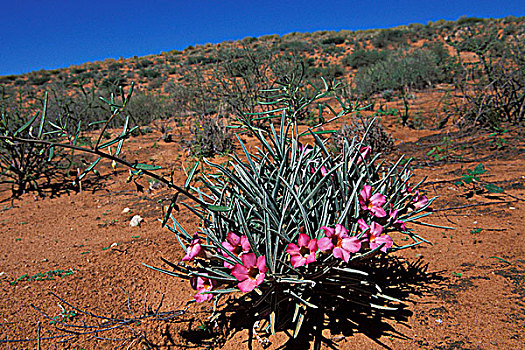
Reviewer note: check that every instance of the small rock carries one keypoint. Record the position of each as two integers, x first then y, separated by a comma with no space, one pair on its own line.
113,245
155,185
135,221
126,210
45,260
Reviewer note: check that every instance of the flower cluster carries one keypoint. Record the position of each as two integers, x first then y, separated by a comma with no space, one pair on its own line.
250,270
337,240
250,273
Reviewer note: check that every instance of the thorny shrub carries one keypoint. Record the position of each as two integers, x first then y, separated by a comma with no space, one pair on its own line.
209,136
23,165
371,132
498,95
37,147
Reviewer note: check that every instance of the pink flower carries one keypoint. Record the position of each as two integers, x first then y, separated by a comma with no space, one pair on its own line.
235,245
364,153
392,217
338,241
324,171
375,238
251,273
376,241
194,249
406,190
304,253
419,201
202,285
305,149
372,203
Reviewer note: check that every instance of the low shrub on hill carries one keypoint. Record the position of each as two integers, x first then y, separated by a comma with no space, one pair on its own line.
399,72
363,58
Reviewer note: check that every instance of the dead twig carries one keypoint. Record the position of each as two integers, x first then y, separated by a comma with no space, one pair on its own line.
473,205
98,327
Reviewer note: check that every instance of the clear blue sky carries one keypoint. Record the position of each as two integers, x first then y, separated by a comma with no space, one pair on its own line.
36,34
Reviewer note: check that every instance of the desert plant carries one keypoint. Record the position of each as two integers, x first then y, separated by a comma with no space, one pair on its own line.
473,184
36,147
391,36
362,58
493,87
23,165
401,73
210,136
333,40
366,129
294,226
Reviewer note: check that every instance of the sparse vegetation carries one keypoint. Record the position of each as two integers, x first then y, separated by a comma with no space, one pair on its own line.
366,129
210,136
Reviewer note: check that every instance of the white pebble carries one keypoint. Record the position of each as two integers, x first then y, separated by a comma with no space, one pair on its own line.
135,221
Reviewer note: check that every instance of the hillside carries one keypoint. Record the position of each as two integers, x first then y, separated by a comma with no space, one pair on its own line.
219,78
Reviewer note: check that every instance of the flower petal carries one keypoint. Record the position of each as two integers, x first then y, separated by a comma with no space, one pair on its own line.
351,244
200,297
292,249
365,194
365,152
192,252
378,199
380,240
249,260
247,285
228,247
375,229
260,278
261,264
324,172
303,240
338,253
345,255
378,212
245,244
310,258
240,272
325,244
341,231
312,245
363,225
297,260
233,238
328,231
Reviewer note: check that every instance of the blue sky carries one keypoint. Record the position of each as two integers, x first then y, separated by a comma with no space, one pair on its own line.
49,34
